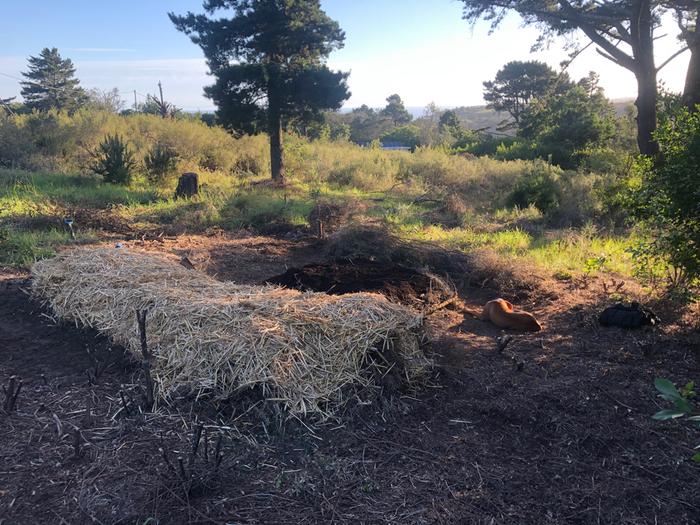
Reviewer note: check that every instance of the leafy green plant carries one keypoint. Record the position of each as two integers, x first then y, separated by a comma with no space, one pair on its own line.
594,264
538,187
160,162
664,197
114,160
682,406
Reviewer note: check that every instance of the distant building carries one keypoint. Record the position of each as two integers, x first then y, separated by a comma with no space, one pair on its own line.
395,146
388,145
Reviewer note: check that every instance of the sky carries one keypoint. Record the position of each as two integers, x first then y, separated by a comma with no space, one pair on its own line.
420,49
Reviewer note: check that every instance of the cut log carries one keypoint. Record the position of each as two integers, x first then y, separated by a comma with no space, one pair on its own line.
187,186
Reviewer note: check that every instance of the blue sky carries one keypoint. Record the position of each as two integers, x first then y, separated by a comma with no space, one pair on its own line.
420,49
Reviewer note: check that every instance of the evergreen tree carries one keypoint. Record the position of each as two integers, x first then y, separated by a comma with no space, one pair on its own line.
563,125
51,83
517,83
449,123
367,125
268,58
396,111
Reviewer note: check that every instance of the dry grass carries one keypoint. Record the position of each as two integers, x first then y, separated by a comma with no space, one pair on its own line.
307,351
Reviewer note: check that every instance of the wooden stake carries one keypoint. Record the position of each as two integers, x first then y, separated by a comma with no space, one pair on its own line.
146,365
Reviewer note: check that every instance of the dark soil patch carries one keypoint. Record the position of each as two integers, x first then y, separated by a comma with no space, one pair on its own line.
103,220
275,227
555,429
343,276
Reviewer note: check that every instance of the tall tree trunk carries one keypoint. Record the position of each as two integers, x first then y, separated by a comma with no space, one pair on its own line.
641,32
274,125
646,112
691,91
276,147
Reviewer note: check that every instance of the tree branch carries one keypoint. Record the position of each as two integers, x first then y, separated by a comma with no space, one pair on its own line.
621,58
672,57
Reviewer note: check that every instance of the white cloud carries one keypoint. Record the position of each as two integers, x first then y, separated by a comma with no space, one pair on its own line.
102,50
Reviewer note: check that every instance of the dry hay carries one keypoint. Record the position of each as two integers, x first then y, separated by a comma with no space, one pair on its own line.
305,350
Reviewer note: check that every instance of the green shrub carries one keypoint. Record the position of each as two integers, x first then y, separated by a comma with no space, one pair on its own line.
665,196
580,199
114,160
408,136
518,149
605,160
247,165
160,163
538,187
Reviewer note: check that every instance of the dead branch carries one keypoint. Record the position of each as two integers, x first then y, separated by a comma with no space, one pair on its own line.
442,305
503,342
12,393
146,364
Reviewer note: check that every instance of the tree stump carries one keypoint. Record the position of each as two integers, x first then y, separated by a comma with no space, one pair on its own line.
187,186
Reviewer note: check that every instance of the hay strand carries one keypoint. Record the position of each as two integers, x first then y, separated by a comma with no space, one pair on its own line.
206,336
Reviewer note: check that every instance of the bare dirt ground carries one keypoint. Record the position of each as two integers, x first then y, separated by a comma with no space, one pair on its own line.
554,429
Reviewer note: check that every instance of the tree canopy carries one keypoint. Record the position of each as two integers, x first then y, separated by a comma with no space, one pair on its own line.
51,83
517,83
565,124
622,31
268,59
366,125
449,123
396,111
407,135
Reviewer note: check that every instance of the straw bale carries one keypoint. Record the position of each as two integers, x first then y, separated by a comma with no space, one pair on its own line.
305,350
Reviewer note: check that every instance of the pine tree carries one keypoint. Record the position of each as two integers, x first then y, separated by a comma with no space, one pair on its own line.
51,83
518,83
268,58
396,111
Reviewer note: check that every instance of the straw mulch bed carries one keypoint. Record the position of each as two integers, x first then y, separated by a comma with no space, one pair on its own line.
309,351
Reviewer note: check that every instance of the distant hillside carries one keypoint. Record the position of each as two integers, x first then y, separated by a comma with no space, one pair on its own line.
482,118
479,117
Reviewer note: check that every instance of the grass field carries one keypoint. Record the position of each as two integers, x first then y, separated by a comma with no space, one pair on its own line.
33,205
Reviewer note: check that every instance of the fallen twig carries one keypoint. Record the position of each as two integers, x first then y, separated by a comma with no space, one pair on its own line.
12,393
503,342
442,305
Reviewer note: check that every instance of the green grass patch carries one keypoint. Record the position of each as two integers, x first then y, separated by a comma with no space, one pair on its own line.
561,252
19,248
68,190
230,202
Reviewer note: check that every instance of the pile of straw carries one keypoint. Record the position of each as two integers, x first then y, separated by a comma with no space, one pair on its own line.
305,350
